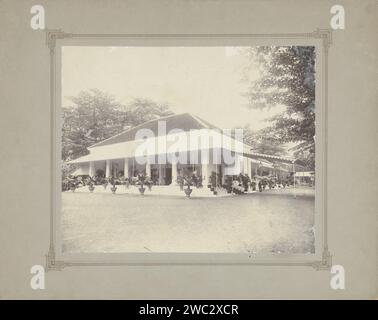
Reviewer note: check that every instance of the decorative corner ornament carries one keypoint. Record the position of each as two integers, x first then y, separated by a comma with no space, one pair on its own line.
52,35
51,263
325,35
325,263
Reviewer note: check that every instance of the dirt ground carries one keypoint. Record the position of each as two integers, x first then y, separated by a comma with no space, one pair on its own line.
268,222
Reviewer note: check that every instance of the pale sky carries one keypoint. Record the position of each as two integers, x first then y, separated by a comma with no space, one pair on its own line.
205,81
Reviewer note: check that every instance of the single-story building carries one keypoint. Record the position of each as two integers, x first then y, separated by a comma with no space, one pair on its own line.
178,145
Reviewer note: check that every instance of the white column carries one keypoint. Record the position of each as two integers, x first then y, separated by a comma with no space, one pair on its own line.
161,177
245,165
126,168
108,169
174,173
133,168
91,169
148,168
239,164
205,177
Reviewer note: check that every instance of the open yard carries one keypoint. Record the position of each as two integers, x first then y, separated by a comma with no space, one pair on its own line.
272,221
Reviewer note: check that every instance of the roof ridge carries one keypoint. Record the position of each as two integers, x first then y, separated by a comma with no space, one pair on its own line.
199,121
205,122
132,128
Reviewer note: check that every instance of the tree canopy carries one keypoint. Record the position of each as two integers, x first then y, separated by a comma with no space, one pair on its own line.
262,142
287,78
96,115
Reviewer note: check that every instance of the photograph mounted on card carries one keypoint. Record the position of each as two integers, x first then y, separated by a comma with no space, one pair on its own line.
189,149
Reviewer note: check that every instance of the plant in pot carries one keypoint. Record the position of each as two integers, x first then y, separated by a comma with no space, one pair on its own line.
140,181
213,181
66,184
208,182
90,182
228,184
244,180
127,183
237,187
73,183
199,182
196,180
113,181
121,180
148,182
105,183
188,182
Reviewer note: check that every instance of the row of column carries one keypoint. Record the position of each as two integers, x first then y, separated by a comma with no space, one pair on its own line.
108,170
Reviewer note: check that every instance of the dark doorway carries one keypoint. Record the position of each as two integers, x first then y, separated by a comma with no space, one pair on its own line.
168,176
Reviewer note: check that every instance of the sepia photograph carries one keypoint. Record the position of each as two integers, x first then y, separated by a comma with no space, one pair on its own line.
188,156
188,149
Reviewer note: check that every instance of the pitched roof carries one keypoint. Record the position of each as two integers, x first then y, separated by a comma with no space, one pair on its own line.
184,121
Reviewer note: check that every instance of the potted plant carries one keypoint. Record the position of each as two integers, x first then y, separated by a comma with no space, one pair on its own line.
113,188
188,182
72,187
237,186
215,179
90,182
121,180
209,182
148,182
67,184
105,183
228,184
244,180
142,189
72,183
140,181
199,182
113,181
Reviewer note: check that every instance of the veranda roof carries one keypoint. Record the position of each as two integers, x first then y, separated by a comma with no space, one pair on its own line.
124,145
169,144
269,157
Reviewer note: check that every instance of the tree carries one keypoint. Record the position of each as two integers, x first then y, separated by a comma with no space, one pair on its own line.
142,110
263,142
287,78
95,116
